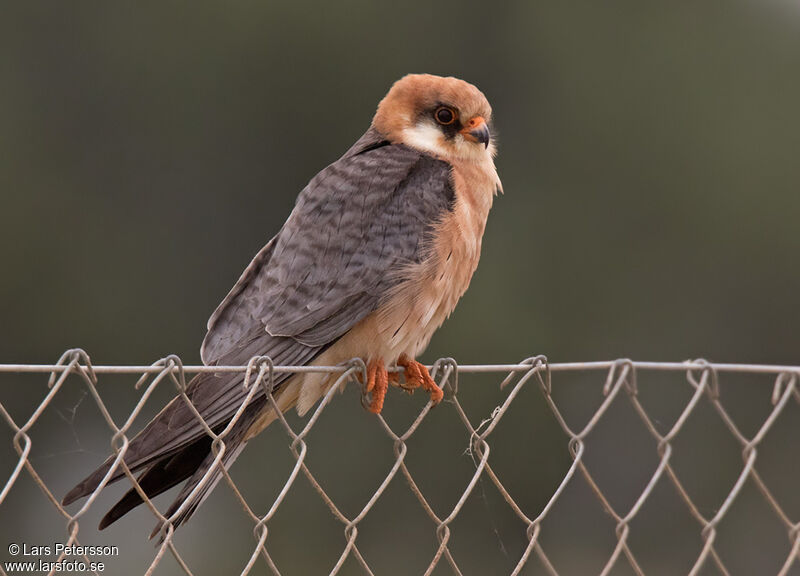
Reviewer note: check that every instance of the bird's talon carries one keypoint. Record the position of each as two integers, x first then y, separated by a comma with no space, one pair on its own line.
371,375
436,395
377,384
417,375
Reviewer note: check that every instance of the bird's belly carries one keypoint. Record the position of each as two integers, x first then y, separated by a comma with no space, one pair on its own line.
424,302
419,305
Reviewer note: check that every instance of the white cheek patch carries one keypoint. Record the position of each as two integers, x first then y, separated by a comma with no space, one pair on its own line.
425,136
428,137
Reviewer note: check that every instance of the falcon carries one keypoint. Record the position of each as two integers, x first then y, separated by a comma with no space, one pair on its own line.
378,250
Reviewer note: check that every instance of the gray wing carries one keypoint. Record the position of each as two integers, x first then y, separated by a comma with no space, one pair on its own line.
331,263
327,268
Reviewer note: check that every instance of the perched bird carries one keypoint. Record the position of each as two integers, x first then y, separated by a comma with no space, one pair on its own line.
378,250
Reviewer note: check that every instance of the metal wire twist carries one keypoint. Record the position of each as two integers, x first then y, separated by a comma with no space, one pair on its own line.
621,380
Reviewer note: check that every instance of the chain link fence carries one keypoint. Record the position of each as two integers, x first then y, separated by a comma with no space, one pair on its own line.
626,496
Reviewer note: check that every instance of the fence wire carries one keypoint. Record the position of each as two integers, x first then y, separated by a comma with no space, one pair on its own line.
617,379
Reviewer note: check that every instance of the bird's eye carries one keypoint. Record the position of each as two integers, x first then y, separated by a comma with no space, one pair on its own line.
444,115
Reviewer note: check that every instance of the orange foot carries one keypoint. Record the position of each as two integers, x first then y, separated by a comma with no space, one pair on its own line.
377,383
417,375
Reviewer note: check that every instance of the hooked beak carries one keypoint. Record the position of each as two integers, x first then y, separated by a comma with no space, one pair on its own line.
476,130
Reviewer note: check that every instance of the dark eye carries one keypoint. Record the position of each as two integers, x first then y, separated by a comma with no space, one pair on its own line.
445,115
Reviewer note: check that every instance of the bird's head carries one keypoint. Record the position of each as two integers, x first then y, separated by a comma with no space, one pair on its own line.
446,117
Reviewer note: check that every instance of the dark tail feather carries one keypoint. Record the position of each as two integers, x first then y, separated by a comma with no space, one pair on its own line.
160,477
87,485
137,458
142,453
234,444
167,467
157,441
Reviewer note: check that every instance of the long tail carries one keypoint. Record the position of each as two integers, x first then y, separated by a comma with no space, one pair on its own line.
163,465
193,462
234,444
160,477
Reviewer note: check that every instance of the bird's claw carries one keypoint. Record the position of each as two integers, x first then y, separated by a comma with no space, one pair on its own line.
416,376
394,380
377,384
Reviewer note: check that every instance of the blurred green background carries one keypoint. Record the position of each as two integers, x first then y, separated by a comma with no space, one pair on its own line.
649,155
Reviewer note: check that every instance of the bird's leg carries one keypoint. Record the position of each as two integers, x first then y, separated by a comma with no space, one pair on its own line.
377,384
417,375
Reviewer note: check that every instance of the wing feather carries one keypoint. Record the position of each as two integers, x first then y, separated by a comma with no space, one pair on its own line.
355,223
331,263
